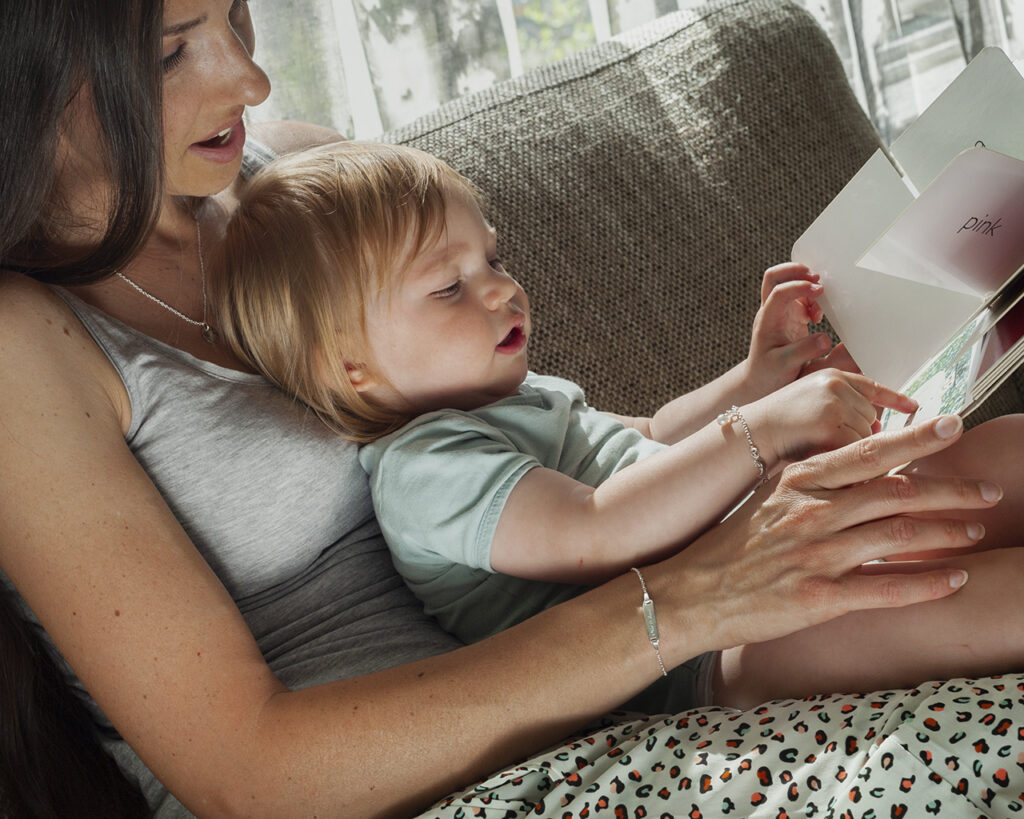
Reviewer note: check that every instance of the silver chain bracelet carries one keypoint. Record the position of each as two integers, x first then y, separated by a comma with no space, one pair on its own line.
731,416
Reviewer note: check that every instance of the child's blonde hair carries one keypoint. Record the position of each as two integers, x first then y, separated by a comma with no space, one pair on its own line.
316,237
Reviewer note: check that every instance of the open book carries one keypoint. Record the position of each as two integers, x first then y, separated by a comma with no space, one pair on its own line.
920,254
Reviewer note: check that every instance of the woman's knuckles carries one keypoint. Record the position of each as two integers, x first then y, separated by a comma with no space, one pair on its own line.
868,452
902,531
817,593
902,489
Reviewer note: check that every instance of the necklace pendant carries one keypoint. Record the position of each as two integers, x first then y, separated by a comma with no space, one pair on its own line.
210,336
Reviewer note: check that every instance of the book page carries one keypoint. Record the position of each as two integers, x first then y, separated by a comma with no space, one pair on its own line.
874,313
965,232
973,363
984,105
944,384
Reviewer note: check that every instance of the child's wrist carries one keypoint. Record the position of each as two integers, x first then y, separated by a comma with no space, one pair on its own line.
739,419
747,387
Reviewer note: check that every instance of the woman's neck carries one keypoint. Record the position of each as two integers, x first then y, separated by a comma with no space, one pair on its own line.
169,269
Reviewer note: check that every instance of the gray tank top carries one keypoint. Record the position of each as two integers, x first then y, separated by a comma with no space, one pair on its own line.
277,505
280,509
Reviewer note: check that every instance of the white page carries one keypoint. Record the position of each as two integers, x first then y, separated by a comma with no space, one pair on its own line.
983,105
876,315
965,232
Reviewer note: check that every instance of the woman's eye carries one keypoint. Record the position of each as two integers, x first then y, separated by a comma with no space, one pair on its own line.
498,265
174,59
447,292
237,6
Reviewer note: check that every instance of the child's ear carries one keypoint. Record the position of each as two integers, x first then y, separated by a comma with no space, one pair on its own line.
359,377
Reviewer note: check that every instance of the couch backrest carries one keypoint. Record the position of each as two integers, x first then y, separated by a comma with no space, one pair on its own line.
641,187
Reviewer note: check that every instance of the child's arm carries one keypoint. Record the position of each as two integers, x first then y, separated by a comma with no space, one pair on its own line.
554,528
781,349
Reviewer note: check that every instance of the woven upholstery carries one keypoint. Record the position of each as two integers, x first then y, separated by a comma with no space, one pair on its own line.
641,187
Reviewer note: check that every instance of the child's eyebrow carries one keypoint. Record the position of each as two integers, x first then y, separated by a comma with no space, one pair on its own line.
428,263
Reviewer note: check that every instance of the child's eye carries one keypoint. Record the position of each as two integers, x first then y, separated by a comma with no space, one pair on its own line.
447,292
174,59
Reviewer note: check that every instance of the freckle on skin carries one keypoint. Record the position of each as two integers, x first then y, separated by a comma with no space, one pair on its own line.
117,612
67,332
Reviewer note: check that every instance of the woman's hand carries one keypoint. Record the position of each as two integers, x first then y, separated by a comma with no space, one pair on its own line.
794,560
819,412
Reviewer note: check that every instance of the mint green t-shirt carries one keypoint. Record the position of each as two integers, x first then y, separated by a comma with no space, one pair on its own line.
440,483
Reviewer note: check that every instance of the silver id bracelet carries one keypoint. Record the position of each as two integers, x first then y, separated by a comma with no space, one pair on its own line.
651,621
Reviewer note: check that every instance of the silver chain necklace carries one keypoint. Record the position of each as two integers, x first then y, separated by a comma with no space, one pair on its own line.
209,334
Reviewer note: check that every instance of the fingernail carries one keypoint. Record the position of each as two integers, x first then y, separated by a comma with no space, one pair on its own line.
975,531
948,426
957,579
990,491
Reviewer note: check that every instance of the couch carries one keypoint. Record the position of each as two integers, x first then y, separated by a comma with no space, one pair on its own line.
639,189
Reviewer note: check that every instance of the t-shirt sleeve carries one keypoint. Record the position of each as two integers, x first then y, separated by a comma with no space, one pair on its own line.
439,486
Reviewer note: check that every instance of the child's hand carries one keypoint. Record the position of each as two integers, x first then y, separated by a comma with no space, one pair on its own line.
820,412
780,345
838,358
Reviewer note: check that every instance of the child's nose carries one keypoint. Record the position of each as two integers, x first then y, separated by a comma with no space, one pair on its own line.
501,288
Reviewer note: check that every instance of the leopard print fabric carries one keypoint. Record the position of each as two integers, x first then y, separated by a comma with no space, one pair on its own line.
944,749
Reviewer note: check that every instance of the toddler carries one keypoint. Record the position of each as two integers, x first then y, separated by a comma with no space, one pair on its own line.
499,491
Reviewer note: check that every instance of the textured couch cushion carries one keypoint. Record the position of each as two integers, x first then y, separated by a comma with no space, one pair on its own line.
641,187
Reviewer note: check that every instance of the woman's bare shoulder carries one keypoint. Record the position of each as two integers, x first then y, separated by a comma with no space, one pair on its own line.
42,341
19,292
32,312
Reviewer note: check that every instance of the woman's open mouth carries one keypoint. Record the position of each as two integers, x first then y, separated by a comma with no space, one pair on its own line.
219,141
223,146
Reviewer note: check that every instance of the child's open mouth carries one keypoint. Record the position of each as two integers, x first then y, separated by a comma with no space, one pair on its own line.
513,342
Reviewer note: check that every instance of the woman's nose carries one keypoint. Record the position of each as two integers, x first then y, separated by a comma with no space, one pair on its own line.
241,77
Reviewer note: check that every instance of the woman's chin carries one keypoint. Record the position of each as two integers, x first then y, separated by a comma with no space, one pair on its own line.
199,178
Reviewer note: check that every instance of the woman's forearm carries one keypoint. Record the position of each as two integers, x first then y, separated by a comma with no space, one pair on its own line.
447,721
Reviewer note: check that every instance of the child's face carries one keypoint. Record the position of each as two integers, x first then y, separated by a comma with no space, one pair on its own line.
454,332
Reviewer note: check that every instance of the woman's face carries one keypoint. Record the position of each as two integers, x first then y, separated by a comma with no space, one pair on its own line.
209,79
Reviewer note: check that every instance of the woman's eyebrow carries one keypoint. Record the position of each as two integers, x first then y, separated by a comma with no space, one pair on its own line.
181,28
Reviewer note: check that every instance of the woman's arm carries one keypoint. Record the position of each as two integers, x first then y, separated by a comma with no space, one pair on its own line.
160,645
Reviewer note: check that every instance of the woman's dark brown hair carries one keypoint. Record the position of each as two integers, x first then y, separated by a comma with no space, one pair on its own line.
49,50
51,761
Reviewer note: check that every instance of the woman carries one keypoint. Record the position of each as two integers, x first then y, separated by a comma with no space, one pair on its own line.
202,554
